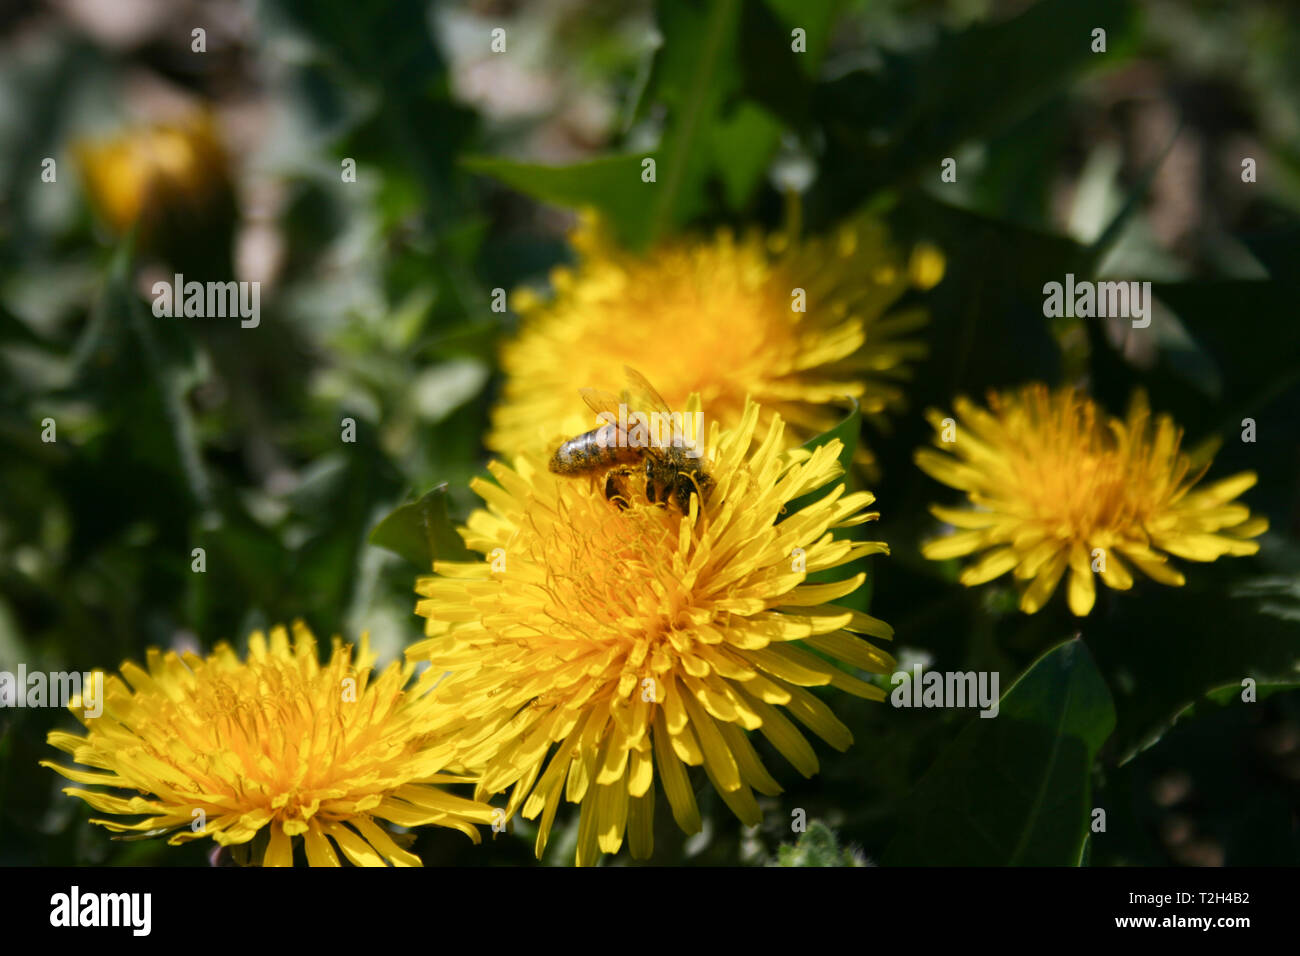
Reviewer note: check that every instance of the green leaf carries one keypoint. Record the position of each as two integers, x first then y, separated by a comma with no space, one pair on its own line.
712,133
125,350
1015,789
814,17
612,185
1172,646
421,532
742,147
695,72
847,432
1230,694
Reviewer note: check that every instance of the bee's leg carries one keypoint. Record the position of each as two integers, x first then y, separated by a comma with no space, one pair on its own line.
612,490
684,493
650,485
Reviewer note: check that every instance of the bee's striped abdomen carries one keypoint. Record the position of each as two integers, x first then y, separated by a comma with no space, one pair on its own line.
589,452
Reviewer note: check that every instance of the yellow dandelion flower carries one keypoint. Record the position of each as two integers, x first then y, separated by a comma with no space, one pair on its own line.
1057,483
605,646
275,745
166,172
796,325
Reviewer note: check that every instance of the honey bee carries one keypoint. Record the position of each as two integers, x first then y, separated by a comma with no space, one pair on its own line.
670,470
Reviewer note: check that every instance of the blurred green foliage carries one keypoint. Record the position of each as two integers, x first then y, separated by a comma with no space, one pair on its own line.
817,847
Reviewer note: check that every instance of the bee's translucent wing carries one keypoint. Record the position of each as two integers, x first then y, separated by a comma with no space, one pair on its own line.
643,390
603,403
599,401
